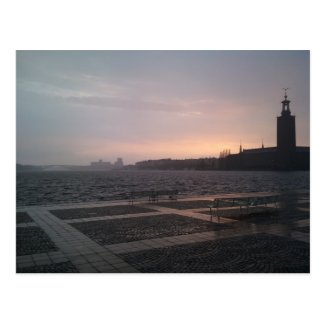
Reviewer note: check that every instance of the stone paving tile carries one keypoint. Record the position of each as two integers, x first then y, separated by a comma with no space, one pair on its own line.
43,262
261,253
87,268
93,258
99,211
27,224
65,267
24,258
84,251
285,218
98,266
127,230
33,240
56,254
156,245
183,205
112,259
88,256
23,217
59,259
126,269
254,213
126,216
196,215
21,265
268,217
106,269
78,260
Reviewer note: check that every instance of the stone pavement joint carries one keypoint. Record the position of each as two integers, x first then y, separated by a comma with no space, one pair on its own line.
78,252
64,237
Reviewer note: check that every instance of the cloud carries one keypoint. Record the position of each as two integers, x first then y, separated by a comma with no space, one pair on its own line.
151,101
124,103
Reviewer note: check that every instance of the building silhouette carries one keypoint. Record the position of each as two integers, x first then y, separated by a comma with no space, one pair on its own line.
101,165
285,156
106,165
118,163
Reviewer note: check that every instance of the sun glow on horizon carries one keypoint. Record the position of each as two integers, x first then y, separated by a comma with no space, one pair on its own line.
81,106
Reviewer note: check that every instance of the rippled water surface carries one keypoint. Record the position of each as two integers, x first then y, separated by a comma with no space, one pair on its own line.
41,188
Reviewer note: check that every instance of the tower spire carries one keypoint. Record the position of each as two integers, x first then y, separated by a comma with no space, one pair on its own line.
285,103
285,93
286,128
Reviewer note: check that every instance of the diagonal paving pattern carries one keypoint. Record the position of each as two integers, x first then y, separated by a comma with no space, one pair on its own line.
85,254
88,256
123,216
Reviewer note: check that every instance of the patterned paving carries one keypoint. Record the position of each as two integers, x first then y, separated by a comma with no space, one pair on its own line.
165,236
33,240
64,267
246,254
183,205
253,214
132,229
65,214
266,216
23,217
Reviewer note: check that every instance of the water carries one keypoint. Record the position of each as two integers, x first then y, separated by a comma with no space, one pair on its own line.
42,188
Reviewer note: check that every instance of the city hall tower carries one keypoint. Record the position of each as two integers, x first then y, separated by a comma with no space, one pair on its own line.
286,135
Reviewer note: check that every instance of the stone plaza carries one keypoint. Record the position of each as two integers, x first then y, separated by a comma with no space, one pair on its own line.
166,236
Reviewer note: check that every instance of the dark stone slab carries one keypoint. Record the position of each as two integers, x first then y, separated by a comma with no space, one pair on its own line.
23,217
64,267
254,214
264,216
288,217
183,205
261,253
106,232
99,211
33,240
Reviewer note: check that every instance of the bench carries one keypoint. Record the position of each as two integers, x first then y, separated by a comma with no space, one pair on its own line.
241,202
169,194
152,195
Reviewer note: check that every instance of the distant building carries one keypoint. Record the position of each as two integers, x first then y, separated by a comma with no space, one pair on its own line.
101,165
106,165
285,156
179,164
118,163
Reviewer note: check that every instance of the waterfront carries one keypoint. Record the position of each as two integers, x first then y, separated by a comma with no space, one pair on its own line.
43,188
164,237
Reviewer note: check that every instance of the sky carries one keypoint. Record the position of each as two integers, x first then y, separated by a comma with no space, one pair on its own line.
74,107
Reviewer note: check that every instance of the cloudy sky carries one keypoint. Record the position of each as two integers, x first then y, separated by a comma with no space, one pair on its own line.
74,107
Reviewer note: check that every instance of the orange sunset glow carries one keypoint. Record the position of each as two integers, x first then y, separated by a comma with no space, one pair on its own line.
79,106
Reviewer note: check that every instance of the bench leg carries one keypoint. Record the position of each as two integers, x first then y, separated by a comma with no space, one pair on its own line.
214,213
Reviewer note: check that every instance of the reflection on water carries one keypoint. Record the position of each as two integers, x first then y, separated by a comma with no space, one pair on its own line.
59,187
